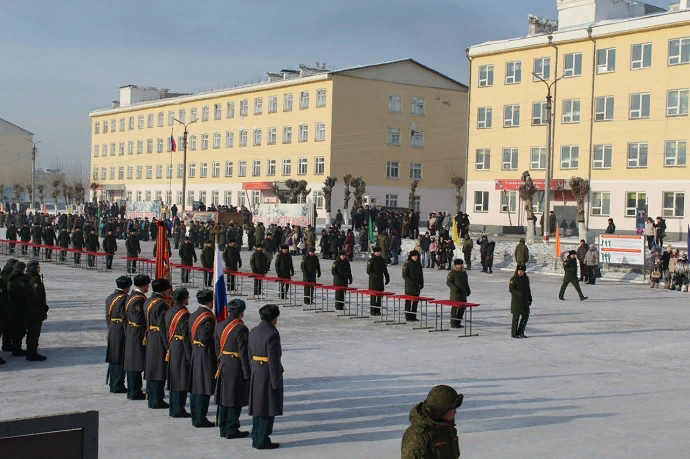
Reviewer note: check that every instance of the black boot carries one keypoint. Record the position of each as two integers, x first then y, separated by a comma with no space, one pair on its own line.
35,357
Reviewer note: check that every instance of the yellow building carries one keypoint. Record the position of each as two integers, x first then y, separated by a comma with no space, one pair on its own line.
620,115
16,144
391,123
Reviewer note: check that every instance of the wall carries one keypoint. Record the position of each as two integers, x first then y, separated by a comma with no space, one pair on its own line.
15,154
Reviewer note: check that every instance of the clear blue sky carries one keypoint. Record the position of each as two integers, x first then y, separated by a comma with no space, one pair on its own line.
60,59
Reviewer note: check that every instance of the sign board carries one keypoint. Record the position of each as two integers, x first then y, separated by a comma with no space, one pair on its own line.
283,214
200,216
621,249
514,185
262,186
143,209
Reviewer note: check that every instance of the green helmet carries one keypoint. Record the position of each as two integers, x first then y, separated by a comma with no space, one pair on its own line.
440,400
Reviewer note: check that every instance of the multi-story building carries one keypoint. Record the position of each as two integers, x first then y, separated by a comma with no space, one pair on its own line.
620,115
15,156
390,123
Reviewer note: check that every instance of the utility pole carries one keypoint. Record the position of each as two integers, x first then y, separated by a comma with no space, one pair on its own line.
184,162
33,173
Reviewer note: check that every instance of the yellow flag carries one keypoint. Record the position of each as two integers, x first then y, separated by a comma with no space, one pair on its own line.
456,237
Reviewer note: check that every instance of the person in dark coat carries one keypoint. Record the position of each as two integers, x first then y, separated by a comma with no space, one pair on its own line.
18,291
266,384
459,287
109,247
521,300
259,264
413,274
342,276
133,250
378,279
202,369
36,238
207,258
570,276
11,235
6,307
135,351
232,385
483,244
311,270
78,244
64,240
49,240
233,262
490,256
156,337
284,269
179,352
582,250
36,311
187,257
115,319
92,245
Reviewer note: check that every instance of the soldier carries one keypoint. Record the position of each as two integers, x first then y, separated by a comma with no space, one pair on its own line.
36,238
311,270
6,308
133,250
521,253
114,318
18,291
36,311
207,259
266,385
204,362
78,244
64,241
187,257
284,269
459,291
259,264
156,341
233,262
92,245
413,275
232,385
12,236
269,249
467,245
377,271
179,352
109,247
259,233
178,234
520,302
49,240
135,351
432,433
342,276
570,277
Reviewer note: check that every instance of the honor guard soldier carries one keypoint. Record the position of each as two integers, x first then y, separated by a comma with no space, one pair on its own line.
232,385
36,311
284,269
521,300
413,274
342,276
156,341
135,351
204,361
179,352
259,264
459,287
233,262
570,276
115,317
311,270
266,384
109,247
18,291
377,271
49,240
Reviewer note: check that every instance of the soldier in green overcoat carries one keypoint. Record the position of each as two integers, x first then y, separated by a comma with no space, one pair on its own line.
284,269
378,279
570,277
459,286
342,276
413,275
521,253
521,300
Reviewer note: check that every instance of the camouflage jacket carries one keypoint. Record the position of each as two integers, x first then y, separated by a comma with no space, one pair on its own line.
428,439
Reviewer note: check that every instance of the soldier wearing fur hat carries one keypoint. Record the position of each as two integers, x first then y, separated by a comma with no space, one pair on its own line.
284,269
18,291
133,250
232,385
259,264
6,307
207,258
179,352
570,276
520,302
266,384
156,337
135,350
432,433
311,270
204,362
342,276
36,311
459,286
377,271
413,274
115,318
233,262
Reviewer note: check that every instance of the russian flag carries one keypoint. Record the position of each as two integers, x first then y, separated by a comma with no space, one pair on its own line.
221,303
173,144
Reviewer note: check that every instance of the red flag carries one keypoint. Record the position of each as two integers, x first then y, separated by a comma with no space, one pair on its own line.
162,253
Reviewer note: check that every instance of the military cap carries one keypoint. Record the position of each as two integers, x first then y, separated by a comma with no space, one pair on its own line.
269,312
440,400
285,247
180,294
160,285
342,253
414,253
311,249
32,265
458,261
10,263
259,245
572,252
141,279
521,268
123,282
232,240
237,306
204,296
376,249
19,266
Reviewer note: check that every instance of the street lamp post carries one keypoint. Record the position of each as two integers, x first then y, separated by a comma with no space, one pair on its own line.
184,161
33,173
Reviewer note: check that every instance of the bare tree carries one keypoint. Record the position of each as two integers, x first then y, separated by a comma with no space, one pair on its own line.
93,187
413,190
79,191
18,189
458,182
65,192
580,189
360,187
57,186
347,180
41,191
328,185
527,190
279,194
303,190
293,187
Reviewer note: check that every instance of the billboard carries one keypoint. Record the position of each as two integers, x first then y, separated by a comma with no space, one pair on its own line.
621,249
200,216
283,214
143,209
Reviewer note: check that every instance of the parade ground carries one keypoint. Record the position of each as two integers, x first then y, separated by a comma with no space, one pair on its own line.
602,378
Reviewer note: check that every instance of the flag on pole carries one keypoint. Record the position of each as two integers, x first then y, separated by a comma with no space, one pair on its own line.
173,144
371,232
221,299
558,240
456,236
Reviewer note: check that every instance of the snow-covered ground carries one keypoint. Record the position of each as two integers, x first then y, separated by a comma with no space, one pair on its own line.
603,378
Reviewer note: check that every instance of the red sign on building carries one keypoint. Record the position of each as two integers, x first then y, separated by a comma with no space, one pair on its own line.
257,186
514,185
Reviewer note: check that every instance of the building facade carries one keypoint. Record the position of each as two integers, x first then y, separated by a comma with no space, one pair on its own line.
390,123
620,116
15,156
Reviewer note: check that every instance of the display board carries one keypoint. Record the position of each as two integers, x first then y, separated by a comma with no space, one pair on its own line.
143,209
284,214
622,249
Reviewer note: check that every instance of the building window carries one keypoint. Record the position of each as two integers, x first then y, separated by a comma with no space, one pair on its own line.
204,113
113,125
509,201
486,76
190,198
572,65
97,127
112,173
318,199
216,140
394,104
217,111
416,203
320,132
677,102
674,204
122,124
180,170
161,119
571,111
178,197
513,72
243,138
168,197
483,159
603,108
287,134
641,56
391,200
130,172
639,105
121,173
271,167
538,158
637,155
569,156
601,203
138,196
203,170
227,198
121,149
193,114
510,159
180,143
303,132
304,99
256,168
140,172
181,115
192,170
257,137
319,165
215,171
113,147
258,105
159,171
606,60
229,138
169,171
676,153
149,145
635,201
104,150
321,97
679,51
140,147
417,139
147,195
204,141
159,146
171,117
271,136
417,106
228,168
602,156
542,68
255,198
287,167
214,198
287,102
244,107
95,173
394,136
511,116
149,120
131,123
95,151
230,110
130,147
484,118
240,199
416,171
302,166
538,113
481,201
392,170
272,104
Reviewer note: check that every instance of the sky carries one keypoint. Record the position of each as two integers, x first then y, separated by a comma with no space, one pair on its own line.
61,59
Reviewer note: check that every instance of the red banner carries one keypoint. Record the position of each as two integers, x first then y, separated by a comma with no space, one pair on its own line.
257,186
514,185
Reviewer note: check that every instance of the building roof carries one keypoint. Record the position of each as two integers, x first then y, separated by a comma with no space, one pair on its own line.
398,61
10,128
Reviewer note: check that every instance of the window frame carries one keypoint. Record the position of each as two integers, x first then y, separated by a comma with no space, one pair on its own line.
287,134
512,124
673,209
228,168
570,157
271,136
230,110
256,168
286,168
637,159
486,159
418,106
571,72
392,101
416,171
303,100
390,140
392,170
272,104
680,41
319,165
641,115
606,153
486,121
320,128
217,111
321,94
488,80
513,158
512,202
287,97
258,105
610,66
541,152
481,205
270,167
215,169
597,113
543,60
243,138
516,76
303,133
632,211
679,105
302,166
542,115
641,61
676,156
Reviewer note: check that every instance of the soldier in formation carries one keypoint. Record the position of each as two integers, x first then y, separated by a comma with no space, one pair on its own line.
521,300
284,269
204,360
233,262
115,319
36,310
311,270
135,350
378,279
259,264
342,276
156,342
179,352
413,274
459,286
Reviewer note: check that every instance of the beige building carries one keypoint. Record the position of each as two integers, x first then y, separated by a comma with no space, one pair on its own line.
391,123
15,156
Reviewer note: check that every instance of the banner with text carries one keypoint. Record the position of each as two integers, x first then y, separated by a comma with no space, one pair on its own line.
283,214
621,249
143,209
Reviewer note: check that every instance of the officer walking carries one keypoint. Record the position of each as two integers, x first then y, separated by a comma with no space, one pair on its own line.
459,286
156,340
135,351
378,279
570,277
521,300
259,264
179,352
284,269
36,311
311,270
342,276
114,318
233,262
413,274
204,360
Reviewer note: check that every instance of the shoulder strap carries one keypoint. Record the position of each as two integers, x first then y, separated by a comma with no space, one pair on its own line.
226,332
148,310
203,316
175,321
134,297
112,304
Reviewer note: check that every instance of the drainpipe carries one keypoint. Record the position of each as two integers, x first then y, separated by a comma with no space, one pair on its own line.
469,116
591,128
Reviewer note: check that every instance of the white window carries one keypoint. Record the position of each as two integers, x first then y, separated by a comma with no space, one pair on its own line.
637,155
180,170
169,171
149,171
122,124
256,198
193,114
95,151
121,173
147,195
181,115
256,168
214,198
320,132
159,146
319,165
161,118
606,60
140,147
484,118
538,113
227,198
192,170
113,146
571,111
228,168
302,166
510,159
171,117
244,107
229,139
679,51
603,108
204,113
641,56
217,111
391,200
97,127
105,127
511,116
204,141
481,201
304,99
417,106
287,166
113,125
676,153
320,97
542,68
121,149
190,197
393,170
601,203
130,147
394,104
140,172
180,143
513,72
674,204
538,158
509,201
216,169
138,196
150,120
203,170
130,172
230,110
394,136
483,159
287,102
112,173
149,145
131,123
416,203
602,156
258,105
257,137
271,136
634,201
243,138
95,173
318,199
572,64
168,197
287,134
569,156
216,140
271,167
416,171
303,132
639,105
104,149
272,104
417,139
486,76
677,102
178,197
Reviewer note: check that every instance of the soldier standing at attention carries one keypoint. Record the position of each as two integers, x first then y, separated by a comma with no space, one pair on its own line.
413,274
133,250
459,291
432,433
36,311
377,271
342,276
78,244
207,258
233,262
135,351
266,385
179,352
520,302
204,362
12,236
284,269
49,239
92,245
570,277
36,238
259,264
187,257
18,291
156,340
115,317
521,253
109,247
232,385
311,270
64,241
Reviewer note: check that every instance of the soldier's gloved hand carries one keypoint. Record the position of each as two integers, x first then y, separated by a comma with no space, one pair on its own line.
388,281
